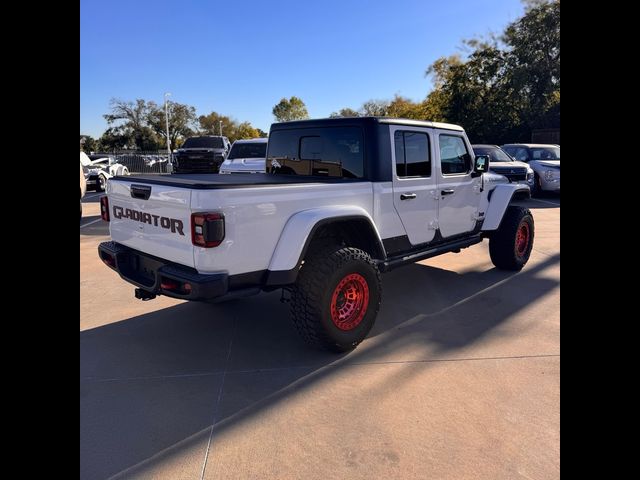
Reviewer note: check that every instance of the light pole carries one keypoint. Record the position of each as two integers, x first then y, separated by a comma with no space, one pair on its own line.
220,122
166,117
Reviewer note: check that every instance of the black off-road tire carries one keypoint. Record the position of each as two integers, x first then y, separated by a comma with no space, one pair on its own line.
508,247
314,294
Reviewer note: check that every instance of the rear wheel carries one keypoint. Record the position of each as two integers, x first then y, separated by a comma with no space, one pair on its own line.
336,298
510,246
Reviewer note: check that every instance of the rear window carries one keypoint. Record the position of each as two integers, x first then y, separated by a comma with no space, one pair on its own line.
330,152
203,142
248,150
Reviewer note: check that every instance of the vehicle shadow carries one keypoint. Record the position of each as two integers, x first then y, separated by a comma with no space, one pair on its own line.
541,202
92,197
89,226
152,386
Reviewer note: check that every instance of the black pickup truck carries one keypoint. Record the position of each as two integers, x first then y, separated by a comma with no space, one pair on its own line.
202,154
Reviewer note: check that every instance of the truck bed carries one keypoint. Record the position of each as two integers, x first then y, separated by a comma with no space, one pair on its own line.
213,181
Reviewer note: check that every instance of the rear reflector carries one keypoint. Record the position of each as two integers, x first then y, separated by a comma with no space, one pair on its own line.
104,208
175,287
169,285
108,260
207,229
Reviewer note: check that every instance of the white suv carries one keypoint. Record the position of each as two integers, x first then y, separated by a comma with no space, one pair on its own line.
544,159
246,156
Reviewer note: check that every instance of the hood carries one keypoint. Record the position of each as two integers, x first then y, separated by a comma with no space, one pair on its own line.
247,160
97,163
547,163
515,163
201,149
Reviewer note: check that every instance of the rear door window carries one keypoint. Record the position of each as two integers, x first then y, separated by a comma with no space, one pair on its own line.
412,154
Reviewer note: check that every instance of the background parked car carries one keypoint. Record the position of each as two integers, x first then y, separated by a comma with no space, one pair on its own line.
202,154
83,187
246,156
544,159
502,164
100,169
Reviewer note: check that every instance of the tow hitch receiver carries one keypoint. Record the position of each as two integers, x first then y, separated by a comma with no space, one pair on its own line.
144,295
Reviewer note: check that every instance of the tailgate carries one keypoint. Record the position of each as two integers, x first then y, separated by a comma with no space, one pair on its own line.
154,219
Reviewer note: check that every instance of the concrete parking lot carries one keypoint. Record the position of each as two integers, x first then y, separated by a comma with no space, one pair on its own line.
459,378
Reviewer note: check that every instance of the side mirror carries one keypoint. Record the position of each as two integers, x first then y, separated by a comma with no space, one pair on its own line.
480,165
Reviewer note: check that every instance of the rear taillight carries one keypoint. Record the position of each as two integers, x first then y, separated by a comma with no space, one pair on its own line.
104,208
207,229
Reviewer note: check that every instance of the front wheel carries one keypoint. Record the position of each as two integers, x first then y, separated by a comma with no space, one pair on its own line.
510,246
336,298
102,183
536,190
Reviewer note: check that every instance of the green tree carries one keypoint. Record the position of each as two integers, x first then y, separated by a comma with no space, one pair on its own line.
88,143
345,112
402,107
506,86
182,121
112,140
210,125
375,108
244,130
130,120
534,62
292,109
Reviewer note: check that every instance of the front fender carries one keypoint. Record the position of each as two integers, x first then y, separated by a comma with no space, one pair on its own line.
500,198
298,229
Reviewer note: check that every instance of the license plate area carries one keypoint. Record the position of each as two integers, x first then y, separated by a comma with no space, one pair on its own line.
140,269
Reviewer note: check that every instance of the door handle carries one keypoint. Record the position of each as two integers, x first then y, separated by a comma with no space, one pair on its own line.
447,192
407,196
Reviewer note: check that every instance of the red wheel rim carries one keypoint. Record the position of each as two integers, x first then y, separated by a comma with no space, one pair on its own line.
349,302
522,239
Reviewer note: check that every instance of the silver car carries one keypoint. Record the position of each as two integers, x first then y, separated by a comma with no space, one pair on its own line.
544,159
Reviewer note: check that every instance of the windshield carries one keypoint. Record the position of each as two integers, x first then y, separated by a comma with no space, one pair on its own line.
248,150
203,142
495,154
545,153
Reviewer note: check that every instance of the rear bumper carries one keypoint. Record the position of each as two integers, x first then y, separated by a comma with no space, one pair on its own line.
154,274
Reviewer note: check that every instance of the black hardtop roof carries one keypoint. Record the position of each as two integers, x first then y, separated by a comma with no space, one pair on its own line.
361,121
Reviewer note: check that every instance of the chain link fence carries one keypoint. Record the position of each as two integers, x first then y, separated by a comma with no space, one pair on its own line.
154,161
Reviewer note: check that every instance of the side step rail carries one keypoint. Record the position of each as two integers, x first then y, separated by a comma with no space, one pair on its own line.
455,245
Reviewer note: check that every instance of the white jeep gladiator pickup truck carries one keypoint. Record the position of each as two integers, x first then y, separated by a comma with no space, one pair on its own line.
342,200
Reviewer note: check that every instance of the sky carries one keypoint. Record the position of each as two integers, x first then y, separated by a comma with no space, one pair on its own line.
239,58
